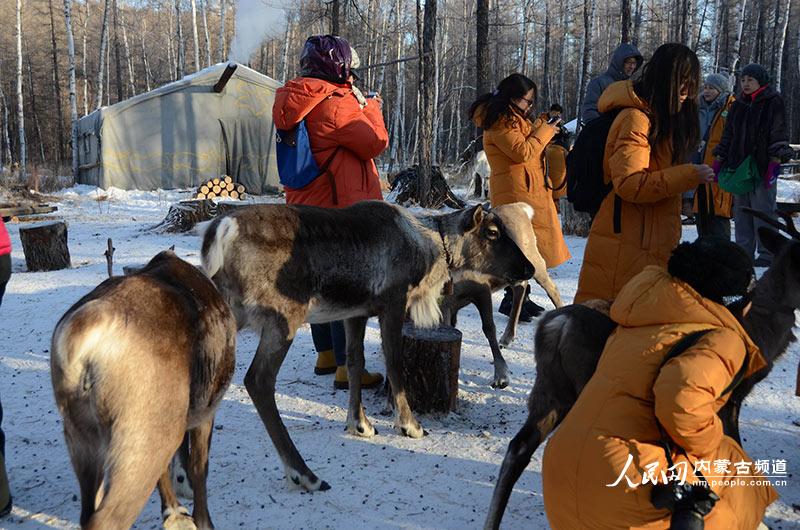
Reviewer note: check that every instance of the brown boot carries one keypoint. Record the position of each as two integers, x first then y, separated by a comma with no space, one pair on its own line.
368,379
326,363
5,492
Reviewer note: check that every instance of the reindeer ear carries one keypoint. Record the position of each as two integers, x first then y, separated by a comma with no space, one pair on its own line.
772,239
472,218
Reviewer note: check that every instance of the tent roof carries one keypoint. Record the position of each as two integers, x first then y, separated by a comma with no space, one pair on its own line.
205,77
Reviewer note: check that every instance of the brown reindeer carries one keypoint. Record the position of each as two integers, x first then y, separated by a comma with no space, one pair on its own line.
135,364
569,341
279,266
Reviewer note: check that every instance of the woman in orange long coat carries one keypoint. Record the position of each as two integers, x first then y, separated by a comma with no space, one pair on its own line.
594,465
514,149
639,221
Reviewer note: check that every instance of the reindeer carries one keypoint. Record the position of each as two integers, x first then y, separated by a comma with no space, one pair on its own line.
135,364
470,287
569,342
279,266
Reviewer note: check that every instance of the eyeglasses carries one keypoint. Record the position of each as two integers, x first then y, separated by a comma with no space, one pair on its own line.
529,101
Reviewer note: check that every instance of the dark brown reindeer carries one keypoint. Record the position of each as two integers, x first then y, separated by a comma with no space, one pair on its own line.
135,364
279,266
569,342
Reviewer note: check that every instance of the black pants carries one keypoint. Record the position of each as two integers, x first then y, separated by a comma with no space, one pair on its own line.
5,275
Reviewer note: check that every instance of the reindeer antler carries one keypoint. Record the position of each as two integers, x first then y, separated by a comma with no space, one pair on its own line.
787,226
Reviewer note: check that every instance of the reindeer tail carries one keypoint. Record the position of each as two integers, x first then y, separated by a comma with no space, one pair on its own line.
216,241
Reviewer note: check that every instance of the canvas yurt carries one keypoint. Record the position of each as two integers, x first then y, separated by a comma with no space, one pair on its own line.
215,122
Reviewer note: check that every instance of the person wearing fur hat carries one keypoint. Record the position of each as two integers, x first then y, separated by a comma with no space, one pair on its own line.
747,159
600,465
346,132
715,103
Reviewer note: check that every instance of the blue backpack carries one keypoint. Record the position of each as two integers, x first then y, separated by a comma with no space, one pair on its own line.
296,165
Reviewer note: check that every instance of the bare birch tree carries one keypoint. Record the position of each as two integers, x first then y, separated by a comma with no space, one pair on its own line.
778,51
23,158
195,38
56,88
181,60
83,61
126,50
205,32
482,47
102,61
426,24
222,50
73,99
6,140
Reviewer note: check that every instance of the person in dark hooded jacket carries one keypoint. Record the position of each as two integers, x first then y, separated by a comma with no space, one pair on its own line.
756,127
625,61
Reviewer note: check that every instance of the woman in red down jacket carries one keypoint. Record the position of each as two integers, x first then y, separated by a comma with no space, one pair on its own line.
5,275
346,131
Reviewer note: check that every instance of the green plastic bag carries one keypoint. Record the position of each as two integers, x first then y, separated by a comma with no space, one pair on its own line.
741,180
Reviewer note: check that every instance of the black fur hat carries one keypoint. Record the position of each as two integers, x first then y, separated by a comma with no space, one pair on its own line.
715,267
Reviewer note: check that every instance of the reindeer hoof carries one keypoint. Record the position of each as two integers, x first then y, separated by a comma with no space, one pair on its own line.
324,486
500,382
178,520
361,429
505,341
299,481
413,431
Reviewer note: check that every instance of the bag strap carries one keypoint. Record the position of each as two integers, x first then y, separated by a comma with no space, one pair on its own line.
681,346
331,179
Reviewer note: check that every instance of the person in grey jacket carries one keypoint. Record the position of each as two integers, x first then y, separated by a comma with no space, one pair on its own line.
625,60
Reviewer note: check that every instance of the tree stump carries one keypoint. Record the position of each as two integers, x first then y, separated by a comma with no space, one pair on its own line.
572,222
185,214
429,365
45,246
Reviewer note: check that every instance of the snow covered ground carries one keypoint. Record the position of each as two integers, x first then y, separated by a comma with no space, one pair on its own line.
442,481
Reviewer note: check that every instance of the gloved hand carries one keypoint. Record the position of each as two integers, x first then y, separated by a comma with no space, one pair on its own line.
771,176
717,167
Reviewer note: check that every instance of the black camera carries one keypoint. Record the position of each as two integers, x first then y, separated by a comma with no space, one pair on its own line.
689,503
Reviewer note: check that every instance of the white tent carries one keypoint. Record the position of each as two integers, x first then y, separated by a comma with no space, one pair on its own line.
183,133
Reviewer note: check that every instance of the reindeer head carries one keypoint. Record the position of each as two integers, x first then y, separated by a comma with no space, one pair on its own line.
784,272
489,242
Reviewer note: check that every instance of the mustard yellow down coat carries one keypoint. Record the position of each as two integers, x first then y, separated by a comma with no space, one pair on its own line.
514,151
650,189
616,413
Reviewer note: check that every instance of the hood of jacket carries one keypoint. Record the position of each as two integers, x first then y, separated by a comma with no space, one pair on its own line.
620,95
624,51
295,99
655,298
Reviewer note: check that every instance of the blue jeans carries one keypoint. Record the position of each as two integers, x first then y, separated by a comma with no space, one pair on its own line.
331,336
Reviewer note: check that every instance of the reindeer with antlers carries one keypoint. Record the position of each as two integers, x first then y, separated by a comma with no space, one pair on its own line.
570,340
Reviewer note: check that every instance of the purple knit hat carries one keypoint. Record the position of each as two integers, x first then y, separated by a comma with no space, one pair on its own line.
326,57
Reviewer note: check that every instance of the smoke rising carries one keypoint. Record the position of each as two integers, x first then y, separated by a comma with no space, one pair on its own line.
255,21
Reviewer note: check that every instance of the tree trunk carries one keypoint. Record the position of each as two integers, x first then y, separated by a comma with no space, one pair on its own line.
181,62
548,93
482,83
286,46
637,23
715,33
37,130
626,20
6,138
171,42
736,51
586,53
427,80
335,30
195,37
102,60
700,29
148,74
73,97
222,50
57,89
117,55
126,51
205,32
45,246
23,157
83,62
778,51
429,365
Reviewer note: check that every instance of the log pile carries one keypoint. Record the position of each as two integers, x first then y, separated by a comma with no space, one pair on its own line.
223,187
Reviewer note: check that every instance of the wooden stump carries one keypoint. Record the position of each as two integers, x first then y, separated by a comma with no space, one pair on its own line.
185,214
429,365
45,246
572,222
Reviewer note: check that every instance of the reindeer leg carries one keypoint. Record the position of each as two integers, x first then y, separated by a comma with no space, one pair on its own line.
483,301
177,471
391,321
174,515
544,415
357,422
276,338
88,464
198,473
518,290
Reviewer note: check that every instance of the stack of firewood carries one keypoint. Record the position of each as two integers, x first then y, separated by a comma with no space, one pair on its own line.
221,187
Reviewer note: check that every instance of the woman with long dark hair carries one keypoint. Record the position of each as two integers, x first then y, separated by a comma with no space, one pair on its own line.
514,149
654,132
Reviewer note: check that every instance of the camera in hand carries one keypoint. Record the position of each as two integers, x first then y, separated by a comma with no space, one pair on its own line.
554,119
689,503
